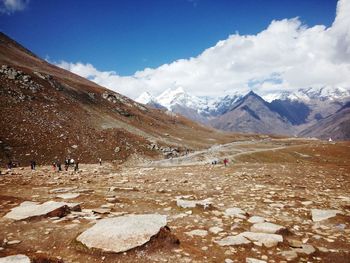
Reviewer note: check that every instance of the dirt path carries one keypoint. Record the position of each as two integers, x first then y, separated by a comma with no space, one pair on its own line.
229,150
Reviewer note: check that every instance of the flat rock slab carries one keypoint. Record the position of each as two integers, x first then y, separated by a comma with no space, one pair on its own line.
319,215
62,190
123,233
15,259
101,210
68,195
197,232
206,203
28,210
289,255
233,241
254,260
306,249
268,240
266,227
235,212
256,219
215,229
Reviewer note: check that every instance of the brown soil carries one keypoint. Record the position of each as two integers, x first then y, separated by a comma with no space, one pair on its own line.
273,183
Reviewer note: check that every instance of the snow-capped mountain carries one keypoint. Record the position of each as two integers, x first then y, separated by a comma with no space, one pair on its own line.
170,98
283,112
203,105
146,98
308,94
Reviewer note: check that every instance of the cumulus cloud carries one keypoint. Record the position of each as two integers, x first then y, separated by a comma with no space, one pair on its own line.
10,6
287,55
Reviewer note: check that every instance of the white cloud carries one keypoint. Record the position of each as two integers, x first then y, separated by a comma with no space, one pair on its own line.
11,6
286,55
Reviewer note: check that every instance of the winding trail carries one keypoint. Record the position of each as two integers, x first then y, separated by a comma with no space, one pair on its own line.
229,150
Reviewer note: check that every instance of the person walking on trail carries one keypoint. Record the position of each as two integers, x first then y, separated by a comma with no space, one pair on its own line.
100,161
10,165
32,165
59,168
225,161
66,164
76,166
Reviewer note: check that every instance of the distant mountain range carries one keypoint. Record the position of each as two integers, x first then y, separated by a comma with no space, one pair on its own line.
305,112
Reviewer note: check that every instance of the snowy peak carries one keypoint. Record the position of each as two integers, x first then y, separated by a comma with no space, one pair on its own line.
178,96
308,94
145,98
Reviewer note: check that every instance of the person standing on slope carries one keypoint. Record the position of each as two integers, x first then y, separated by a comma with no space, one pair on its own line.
225,161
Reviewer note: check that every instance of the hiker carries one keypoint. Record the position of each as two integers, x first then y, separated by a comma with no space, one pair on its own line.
66,164
54,166
76,167
9,165
100,161
32,165
225,161
59,168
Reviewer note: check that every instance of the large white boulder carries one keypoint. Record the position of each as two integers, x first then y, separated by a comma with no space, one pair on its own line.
266,227
15,259
319,215
233,241
123,233
235,212
268,240
29,209
205,204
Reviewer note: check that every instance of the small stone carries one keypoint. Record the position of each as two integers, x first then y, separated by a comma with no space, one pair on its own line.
215,230
323,249
256,219
101,210
306,203
254,260
289,255
295,243
197,232
227,260
13,242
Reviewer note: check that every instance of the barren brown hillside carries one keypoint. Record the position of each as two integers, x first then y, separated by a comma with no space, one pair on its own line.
48,113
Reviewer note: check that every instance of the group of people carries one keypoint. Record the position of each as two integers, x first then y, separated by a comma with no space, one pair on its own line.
216,162
57,166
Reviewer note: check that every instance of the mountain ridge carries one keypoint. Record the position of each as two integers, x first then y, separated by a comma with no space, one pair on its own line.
299,109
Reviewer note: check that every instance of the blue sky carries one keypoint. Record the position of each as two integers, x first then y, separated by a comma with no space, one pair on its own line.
130,35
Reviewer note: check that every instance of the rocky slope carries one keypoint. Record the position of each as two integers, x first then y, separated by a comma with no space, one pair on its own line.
253,114
335,126
48,113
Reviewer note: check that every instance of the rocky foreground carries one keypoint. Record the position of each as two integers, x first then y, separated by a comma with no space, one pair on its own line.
276,201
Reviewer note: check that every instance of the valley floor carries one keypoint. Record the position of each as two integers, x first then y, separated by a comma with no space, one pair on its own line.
281,180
